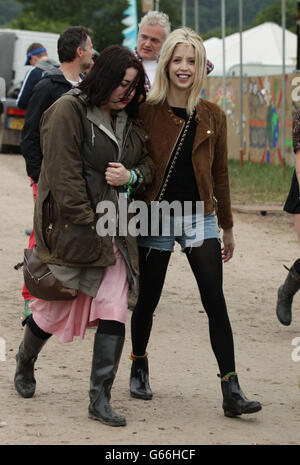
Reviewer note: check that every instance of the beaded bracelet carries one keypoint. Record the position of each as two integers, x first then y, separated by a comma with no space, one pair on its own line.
132,180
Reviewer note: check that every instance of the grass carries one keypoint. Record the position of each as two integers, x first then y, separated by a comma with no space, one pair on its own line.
258,183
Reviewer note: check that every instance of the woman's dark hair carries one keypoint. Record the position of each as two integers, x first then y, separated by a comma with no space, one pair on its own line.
108,73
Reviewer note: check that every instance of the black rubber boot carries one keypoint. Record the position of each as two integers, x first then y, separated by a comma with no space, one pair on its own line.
29,349
286,293
107,353
139,378
234,401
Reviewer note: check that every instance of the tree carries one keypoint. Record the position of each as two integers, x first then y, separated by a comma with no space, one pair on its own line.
8,10
30,21
171,7
102,17
210,15
273,13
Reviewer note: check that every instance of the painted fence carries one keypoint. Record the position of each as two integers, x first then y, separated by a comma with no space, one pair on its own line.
262,111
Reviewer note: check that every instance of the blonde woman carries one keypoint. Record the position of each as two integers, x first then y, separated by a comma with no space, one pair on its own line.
189,148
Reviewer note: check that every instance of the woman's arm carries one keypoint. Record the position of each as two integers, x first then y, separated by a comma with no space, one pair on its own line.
221,178
228,245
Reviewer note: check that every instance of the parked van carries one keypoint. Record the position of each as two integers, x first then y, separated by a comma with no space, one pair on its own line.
13,46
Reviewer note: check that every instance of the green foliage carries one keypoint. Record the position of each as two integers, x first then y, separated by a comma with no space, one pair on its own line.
171,7
105,23
8,10
273,13
102,18
218,32
210,14
259,183
32,22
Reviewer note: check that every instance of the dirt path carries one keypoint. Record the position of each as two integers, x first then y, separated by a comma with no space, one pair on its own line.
186,408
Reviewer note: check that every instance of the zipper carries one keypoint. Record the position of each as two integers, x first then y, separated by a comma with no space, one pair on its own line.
210,153
116,191
125,139
50,212
215,201
36,279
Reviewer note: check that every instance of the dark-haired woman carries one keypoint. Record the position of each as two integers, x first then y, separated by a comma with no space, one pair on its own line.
93,150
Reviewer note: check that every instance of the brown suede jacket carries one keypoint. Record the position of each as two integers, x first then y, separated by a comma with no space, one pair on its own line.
209,156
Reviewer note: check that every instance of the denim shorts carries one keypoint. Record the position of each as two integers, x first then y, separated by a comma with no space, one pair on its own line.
188,231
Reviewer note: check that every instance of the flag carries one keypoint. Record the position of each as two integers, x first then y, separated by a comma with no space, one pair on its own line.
131,31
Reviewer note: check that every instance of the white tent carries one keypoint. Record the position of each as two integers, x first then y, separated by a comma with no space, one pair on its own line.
262,51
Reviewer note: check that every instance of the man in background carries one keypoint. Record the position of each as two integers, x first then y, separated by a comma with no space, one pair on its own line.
37,57
154,28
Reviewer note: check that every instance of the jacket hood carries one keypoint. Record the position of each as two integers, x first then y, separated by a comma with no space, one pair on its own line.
55,74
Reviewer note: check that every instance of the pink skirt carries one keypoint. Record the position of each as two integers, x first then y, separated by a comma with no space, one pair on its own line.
69,318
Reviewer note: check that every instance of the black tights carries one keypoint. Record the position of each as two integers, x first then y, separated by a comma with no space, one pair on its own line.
206,264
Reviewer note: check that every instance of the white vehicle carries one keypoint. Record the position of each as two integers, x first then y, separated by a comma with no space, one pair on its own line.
13,46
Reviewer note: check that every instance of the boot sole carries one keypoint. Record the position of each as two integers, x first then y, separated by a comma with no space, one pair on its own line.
283,322
142,397
107,422
27,395
230,414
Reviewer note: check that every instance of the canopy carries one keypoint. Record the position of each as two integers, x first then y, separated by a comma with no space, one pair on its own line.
262,50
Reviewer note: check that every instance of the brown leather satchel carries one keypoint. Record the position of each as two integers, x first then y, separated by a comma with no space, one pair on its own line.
41,282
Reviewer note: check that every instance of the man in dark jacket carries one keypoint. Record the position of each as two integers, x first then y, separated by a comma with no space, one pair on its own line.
75,54
75,51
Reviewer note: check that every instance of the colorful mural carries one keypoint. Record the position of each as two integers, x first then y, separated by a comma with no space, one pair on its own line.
262,111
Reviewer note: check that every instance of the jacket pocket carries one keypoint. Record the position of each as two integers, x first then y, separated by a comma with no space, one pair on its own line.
78,243
49,224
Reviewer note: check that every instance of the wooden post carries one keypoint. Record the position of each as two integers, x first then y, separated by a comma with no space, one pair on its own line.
147,5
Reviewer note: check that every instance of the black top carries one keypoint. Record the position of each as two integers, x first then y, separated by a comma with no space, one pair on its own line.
182,183
292,203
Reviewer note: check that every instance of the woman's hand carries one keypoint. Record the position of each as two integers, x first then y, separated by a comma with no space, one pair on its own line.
228,245
116,174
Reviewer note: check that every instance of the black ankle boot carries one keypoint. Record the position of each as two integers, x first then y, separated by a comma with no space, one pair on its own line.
286,294
29,349
107,353
139,378
234,401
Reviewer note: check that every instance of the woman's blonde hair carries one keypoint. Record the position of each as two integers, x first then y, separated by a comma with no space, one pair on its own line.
159,91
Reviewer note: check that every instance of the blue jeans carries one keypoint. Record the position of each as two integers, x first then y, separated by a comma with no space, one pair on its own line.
188,231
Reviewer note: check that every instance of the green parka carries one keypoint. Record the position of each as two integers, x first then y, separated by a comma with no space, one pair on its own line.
77,144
